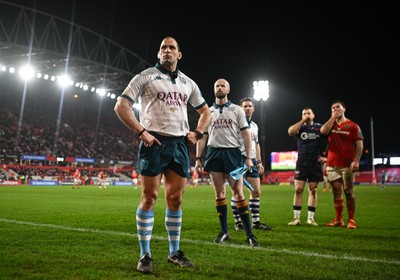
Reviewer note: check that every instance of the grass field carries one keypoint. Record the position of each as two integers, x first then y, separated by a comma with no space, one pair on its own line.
90,233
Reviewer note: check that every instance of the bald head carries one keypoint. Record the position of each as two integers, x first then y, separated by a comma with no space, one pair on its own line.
221,88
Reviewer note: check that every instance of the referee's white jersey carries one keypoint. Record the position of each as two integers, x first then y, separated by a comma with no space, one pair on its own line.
226,124
254,141
163,101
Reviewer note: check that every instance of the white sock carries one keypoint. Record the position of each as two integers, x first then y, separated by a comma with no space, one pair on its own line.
297,214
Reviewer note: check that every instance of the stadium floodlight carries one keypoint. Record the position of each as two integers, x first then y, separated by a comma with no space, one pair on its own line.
101,91
26,72
261,90
64,81
261,93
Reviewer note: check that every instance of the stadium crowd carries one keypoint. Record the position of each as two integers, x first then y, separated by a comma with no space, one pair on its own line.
77,135
78,130
82,129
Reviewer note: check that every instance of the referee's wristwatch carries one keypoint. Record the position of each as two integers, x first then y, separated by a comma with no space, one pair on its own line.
199,135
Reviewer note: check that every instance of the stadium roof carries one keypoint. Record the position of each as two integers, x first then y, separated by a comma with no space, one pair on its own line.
55,46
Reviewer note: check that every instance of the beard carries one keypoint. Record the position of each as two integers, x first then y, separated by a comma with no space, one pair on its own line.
221,95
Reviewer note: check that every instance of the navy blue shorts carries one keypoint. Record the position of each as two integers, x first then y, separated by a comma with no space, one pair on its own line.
309,171
254,172
223,159
172,154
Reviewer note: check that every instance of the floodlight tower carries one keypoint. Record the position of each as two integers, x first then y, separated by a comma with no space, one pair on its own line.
261,94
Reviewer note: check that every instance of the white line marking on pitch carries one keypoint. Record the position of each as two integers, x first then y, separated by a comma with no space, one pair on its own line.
283,251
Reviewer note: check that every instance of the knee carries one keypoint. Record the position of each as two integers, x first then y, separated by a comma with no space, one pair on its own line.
238,196
149,200
349,193
174,200
298,191
313,191
256,194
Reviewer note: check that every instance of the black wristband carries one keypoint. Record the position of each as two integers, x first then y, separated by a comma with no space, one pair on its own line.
258,161
198,158
140,133
199,135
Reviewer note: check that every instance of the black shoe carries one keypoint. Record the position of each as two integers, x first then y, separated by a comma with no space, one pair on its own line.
222,237
145,264
252,240
239,226
261,226
180,260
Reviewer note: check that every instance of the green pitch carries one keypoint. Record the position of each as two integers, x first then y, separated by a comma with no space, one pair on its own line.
90,233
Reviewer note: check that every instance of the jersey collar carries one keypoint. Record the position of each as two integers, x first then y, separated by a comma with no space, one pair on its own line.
172,74
227,104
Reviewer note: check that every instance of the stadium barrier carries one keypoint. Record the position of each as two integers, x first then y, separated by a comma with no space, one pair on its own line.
11,183
43,183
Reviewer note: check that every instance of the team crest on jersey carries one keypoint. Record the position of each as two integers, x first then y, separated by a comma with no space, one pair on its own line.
182,80
173,109
144,164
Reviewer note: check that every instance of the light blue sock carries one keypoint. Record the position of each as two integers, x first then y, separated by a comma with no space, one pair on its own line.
144,225
173,224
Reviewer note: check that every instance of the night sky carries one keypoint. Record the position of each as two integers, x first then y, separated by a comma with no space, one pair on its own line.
311,52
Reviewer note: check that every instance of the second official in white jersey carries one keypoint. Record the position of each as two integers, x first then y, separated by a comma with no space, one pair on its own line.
228,126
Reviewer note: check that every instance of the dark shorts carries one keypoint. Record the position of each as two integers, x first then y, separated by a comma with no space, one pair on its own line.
309,171
254,172
172,154
223,159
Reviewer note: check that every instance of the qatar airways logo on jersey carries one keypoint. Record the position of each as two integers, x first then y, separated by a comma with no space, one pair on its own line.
222,123
173,98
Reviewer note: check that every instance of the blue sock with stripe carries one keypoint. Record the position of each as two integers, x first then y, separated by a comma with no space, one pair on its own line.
144,225
173,224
